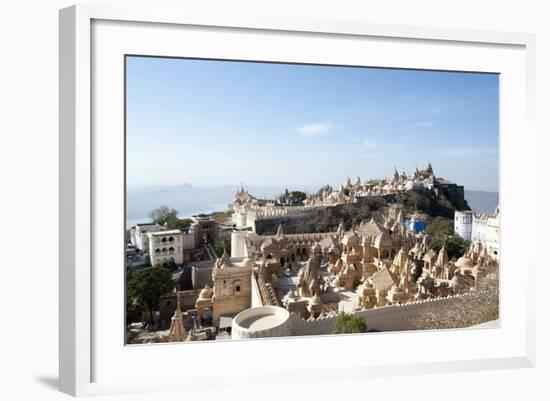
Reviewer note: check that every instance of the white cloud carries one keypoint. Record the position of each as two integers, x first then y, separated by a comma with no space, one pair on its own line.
424,124
468,151
314,130
369,142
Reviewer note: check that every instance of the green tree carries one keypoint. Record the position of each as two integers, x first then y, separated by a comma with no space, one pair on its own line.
348,323
293,198
147,286
221,243
180,224
455,245
441,231
163,214
168,217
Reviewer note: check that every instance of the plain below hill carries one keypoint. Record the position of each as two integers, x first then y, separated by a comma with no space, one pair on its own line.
482,201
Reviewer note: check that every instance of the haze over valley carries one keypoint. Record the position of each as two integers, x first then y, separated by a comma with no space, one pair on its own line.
188,199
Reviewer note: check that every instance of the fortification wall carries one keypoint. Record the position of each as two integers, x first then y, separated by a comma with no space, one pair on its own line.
280,213
387,318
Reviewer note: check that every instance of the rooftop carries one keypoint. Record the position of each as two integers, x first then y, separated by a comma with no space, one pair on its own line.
166,232
261,318
144,227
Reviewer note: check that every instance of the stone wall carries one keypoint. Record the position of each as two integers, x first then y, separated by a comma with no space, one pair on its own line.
387,318
229,306
201,276
324,219
167,304
255,296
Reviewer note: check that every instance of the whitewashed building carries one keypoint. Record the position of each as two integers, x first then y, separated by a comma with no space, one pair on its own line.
138,234
492,235
483,228
463,224
479,228
166,247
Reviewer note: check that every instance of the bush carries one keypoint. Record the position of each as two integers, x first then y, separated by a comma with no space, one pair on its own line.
440,226
222,243
455,245
348,323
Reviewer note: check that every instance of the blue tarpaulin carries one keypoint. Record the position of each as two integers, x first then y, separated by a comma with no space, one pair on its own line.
417,226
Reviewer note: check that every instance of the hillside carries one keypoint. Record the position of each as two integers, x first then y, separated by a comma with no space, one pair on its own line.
328,219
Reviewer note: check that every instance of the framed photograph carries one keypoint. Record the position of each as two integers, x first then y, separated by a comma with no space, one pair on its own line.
242,189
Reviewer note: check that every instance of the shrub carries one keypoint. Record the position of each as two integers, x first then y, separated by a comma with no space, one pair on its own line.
348,323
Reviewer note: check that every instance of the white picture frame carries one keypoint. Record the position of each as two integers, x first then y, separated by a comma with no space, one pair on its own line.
92,38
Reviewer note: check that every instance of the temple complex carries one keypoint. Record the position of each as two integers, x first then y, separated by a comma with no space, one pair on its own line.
377,264
295,284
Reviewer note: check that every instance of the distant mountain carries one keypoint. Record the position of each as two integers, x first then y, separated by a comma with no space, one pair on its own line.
481,201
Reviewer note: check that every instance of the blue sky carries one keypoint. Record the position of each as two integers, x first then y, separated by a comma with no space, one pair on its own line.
212,123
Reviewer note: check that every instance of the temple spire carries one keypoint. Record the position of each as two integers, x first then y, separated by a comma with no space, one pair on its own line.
280,232
177,332
224,260
341,228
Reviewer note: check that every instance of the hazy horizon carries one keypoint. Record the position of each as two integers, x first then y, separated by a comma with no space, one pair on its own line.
221,123
190,200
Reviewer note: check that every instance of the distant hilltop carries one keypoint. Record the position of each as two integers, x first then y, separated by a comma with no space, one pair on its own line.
189,199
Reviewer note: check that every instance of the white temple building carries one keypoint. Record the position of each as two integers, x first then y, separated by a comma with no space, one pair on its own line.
480,227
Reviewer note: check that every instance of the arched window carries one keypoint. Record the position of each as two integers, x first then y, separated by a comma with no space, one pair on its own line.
163,249
157,250
237,285
171,249
163,239
171,239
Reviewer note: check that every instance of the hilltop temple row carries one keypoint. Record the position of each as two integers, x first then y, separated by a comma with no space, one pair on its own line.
247,209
